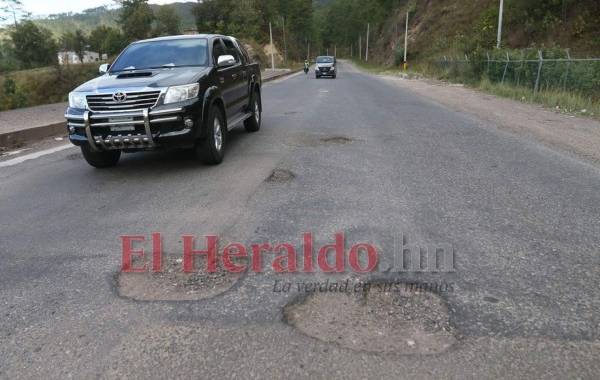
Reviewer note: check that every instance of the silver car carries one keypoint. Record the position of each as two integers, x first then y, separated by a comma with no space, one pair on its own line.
326,67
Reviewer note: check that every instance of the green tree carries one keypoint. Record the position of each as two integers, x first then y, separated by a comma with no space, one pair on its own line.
114,42
12,10
33,46
97,39
136,19
8,61
74,41
168,22
107,40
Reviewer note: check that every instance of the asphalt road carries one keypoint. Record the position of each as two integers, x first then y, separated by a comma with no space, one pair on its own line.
524,221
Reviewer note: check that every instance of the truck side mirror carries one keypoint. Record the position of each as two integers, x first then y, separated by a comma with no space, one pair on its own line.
225,61
104,68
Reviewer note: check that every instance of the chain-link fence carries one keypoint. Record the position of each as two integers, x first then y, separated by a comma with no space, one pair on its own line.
535,69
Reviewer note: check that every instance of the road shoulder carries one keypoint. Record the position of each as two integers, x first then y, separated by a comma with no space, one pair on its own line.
574,135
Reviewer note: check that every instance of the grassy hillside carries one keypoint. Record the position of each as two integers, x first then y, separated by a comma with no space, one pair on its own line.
456,27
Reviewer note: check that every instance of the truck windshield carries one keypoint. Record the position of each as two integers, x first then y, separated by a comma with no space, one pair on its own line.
325,60
159,54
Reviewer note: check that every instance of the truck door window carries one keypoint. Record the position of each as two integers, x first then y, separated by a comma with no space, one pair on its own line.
218,50
230,49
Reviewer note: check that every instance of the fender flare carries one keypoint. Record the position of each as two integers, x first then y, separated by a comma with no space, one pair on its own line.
254,85
211,95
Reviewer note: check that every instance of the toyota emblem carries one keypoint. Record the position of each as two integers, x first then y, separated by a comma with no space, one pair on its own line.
119,97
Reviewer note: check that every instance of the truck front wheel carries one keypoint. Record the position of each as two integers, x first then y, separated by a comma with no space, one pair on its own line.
100,160
211,149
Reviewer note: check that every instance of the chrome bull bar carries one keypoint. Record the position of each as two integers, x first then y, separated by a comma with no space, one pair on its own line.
129,141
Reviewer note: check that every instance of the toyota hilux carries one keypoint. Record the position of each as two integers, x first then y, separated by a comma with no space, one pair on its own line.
168,92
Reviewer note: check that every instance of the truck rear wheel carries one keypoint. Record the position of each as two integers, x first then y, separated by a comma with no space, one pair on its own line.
211,149
100,160
252,124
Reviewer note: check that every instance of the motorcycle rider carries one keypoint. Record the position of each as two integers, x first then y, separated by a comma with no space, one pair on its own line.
306,66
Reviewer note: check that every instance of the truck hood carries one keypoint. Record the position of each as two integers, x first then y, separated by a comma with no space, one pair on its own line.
319,65
144,79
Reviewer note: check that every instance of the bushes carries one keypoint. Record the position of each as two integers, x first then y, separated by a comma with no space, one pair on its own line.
580,77
42,86
11,97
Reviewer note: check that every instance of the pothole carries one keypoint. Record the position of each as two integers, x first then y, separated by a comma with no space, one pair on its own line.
310,140
401,321
172,284
336,140
280,176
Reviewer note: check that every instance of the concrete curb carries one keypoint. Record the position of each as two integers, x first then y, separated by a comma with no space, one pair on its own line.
278,76
17,138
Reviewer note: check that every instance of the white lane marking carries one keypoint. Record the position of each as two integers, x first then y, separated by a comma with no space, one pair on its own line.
33,156
15,152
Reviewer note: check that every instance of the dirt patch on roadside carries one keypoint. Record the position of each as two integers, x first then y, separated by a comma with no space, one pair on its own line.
172,284
575,135
400,322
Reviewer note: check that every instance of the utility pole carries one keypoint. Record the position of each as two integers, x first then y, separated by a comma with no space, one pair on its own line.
360,47
367,53
406,43
335,50
500,24
272,48
284,43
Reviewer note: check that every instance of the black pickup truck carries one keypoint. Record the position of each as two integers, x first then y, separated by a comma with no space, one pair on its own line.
168,92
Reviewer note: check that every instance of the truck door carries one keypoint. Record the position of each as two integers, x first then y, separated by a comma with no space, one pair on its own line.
239,76
227,77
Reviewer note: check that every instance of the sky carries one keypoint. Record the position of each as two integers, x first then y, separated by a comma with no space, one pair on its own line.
45,7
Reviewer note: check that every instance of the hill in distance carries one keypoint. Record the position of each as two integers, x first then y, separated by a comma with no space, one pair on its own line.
89,19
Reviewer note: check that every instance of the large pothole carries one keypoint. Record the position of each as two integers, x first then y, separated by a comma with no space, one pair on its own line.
401,321
172,284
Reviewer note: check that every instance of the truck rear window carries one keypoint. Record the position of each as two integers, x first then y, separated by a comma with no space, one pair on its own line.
158,54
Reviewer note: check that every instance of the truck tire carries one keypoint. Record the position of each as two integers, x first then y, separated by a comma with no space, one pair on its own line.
100,160
211,149
252,124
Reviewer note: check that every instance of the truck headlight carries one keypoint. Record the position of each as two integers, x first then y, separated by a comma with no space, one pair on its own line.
332,68
77,100
180,93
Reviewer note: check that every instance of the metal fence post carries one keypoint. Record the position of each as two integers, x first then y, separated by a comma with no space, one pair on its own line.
539,74
520,68
505,67
567,70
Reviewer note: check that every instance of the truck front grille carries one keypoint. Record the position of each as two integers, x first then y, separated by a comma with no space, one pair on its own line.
131,101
